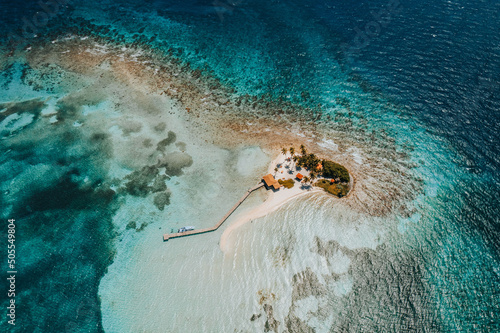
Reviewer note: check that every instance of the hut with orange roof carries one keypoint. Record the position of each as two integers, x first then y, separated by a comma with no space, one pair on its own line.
270,182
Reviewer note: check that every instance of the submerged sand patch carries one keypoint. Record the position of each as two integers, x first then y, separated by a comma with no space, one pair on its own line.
384,181
144,97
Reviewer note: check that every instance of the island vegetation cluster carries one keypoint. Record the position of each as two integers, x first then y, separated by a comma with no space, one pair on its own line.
331,176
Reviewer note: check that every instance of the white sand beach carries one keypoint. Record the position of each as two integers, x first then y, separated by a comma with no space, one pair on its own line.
276,199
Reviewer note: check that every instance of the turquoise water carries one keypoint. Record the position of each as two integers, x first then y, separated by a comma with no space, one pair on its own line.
96,169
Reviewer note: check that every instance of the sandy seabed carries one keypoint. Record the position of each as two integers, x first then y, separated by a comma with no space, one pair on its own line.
274,201
263,264
384,181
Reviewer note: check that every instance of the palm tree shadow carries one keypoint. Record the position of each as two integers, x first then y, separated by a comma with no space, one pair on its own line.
307,187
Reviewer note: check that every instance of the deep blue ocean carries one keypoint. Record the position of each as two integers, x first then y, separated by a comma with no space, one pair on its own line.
438,62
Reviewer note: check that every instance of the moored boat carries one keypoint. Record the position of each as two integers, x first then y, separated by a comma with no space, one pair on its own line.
184,229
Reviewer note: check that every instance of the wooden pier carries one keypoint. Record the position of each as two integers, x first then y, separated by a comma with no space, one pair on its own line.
166,237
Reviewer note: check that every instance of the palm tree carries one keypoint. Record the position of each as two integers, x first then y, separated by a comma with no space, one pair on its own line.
313,176
284,151
306,179
292,152
303,149
275,171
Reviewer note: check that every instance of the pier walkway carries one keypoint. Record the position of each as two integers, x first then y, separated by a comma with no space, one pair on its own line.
166,237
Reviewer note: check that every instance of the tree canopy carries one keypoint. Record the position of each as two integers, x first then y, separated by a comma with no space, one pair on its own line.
335,170
329,169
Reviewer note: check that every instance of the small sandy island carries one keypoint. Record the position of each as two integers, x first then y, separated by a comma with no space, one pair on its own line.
276,199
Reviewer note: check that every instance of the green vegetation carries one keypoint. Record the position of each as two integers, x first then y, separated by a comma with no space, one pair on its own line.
335,170
323,168
313,175
339,190
329,169
287,183
309,161
303,150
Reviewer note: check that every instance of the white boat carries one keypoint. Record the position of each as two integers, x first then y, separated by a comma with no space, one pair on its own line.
184,229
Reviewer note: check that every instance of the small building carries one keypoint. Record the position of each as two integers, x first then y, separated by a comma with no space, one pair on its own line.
319,167
270,182
299,176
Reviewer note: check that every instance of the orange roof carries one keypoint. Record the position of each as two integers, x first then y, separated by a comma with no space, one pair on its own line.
271,182
269,179
319,166
300,176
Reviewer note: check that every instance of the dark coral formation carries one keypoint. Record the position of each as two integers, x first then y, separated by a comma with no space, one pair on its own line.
166,142
175,162
161,200
306,284
139,181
